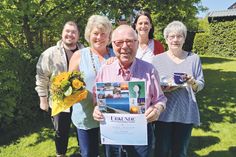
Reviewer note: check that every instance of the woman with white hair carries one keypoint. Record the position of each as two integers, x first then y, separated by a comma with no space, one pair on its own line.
88,60
174,126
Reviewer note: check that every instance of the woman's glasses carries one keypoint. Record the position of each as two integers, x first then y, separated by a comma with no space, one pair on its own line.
171,37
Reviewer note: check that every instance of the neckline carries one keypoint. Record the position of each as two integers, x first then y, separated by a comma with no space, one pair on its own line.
175,59
93,60
144,51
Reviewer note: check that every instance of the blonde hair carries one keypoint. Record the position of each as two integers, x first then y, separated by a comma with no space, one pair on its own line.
175,26
100,22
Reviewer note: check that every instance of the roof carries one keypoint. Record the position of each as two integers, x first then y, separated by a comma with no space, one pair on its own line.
233,6
223,13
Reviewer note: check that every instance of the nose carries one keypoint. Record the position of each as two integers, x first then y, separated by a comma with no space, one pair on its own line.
70,33
124,45
99,36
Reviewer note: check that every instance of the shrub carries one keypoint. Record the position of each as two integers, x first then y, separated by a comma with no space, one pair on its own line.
200,45
18,99
221,40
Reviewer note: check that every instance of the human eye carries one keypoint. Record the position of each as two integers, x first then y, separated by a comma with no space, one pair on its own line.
140,23
179,36
119,43
129,42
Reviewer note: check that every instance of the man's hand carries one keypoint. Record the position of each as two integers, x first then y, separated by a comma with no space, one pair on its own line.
44,104
153,113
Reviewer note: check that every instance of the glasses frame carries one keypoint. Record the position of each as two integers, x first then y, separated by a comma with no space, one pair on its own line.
120,43
178,37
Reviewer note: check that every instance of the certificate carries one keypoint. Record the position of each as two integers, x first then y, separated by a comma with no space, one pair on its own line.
124,129
123,107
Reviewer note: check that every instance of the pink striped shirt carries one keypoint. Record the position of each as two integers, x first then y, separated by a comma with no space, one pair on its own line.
139,70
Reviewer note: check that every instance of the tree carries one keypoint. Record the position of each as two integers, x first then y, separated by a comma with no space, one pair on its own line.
37,23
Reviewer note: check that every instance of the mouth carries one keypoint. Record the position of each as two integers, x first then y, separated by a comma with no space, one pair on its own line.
70,38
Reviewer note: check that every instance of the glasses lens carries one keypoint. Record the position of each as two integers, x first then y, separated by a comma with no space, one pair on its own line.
120,43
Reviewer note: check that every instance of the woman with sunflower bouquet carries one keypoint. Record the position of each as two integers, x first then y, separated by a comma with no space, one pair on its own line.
88,60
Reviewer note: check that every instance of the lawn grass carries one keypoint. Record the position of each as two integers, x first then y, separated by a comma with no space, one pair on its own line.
217,104
216,137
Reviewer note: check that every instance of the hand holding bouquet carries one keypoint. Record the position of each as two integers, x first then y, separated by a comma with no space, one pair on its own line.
67,88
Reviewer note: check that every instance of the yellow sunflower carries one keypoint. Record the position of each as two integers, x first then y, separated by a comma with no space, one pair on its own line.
60,78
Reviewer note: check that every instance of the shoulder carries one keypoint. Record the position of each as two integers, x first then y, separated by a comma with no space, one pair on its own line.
143,64
157,42
158,47
81,52
160,56
193,56
80,46
49,51
111,52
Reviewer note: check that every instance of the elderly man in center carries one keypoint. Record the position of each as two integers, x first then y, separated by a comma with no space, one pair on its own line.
129,68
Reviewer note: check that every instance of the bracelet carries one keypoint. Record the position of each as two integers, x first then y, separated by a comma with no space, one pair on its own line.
194,83
161,108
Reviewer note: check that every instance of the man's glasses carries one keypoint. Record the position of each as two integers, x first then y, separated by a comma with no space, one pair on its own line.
178,37
120,43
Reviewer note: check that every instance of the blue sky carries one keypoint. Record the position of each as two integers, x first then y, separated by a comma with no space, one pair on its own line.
214,5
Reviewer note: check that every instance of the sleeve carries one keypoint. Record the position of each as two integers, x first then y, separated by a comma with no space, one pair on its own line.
198,74
43,74
158,47
158,95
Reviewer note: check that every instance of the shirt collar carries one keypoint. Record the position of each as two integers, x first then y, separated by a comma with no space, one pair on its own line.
119,68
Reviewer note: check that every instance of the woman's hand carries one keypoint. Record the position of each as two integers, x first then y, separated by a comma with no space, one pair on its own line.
191,81
97,114
110,60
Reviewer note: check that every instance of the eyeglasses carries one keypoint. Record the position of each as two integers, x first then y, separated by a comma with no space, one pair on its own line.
171,37
120,43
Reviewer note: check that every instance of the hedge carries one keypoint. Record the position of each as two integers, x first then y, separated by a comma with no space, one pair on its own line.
220,41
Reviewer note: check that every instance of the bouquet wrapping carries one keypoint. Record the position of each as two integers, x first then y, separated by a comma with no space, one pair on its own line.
67,88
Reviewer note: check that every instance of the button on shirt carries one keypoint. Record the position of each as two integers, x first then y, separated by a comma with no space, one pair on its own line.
139,70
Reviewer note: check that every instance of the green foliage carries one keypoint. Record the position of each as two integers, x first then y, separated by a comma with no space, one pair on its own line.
218,40
222,41
203,25
10,86
200,45
17,94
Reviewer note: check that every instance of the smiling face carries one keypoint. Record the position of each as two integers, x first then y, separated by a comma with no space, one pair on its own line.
70,35
175,41
99,38
125,44
143,25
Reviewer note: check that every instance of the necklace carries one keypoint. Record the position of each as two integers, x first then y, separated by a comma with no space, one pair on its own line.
93,62
108,55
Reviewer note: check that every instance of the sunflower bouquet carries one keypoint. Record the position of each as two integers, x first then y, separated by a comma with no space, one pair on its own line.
67,88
